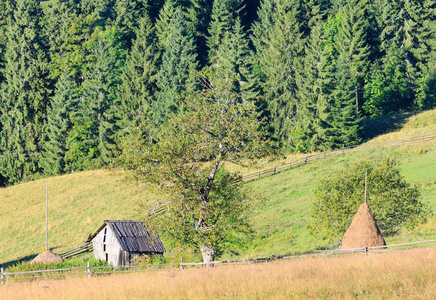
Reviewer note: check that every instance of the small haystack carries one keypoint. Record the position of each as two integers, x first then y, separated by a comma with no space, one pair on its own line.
47,257
363,231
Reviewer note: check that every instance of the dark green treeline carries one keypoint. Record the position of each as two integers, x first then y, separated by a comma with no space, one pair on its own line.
78,76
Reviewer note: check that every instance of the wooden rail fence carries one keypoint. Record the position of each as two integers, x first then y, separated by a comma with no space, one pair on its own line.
314,157
76,251
89,272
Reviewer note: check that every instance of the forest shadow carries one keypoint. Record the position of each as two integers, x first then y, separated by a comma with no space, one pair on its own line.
374,127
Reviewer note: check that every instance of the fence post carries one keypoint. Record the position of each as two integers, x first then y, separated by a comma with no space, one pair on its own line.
274,169
181,263
2,277
305,158
259,174
89,270
343,149
366,250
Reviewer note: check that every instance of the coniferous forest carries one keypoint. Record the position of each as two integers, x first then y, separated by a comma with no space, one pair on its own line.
78,76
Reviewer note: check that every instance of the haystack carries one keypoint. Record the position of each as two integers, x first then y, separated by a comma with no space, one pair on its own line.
363,231
47,257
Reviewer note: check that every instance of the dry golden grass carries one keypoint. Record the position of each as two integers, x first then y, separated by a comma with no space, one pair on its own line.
405,275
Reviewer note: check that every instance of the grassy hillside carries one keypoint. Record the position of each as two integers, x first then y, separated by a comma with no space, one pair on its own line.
79,202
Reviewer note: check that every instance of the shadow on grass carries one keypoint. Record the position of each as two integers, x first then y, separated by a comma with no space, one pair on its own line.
21,260
18,261
374,127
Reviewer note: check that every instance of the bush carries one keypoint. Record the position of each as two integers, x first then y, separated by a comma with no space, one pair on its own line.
394,202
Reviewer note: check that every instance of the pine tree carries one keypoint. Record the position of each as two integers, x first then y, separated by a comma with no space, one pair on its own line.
5,14
314,86
100,107
69,37
60,113
136,92
388,89
165,22
176,74
102,10
128,14
411,27
279,48
198,13
262,27
344,123
23,94
224,13
233,58
353,41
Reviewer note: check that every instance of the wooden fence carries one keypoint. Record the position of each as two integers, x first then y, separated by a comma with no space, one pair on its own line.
76,251
13,278
350,149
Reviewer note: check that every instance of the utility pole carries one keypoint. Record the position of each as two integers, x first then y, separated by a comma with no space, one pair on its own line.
366,174
46,215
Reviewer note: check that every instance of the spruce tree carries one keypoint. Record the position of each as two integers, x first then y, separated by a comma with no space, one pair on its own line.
277,52
23,94
165,22
198,12
411,27
232,56
176,74
59,116
5,14
100,107
389,89
128,14
314,86
344,123
136,93
353,41
224,13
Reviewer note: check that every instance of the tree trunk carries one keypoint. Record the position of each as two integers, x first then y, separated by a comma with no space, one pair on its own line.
208,254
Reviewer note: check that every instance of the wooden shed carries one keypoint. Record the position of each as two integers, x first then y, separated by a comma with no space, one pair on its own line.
121,242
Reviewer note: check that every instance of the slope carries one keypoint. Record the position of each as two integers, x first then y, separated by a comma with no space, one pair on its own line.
79,202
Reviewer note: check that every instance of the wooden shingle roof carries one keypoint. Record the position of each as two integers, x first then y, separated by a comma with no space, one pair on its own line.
133,236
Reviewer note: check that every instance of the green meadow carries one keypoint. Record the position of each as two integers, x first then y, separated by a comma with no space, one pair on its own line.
80,202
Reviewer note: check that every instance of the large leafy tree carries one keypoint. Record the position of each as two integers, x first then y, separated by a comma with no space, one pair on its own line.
393,201
204,207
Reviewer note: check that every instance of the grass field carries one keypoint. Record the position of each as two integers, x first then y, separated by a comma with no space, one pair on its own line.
401,275
79,202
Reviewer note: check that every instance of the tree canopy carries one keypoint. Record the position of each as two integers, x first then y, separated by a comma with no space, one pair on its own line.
394,202
205,207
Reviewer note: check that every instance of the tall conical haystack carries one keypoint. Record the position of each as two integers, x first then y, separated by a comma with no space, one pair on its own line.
363,231
47,257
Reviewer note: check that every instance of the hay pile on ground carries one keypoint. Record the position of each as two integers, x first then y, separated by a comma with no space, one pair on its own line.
363,231
47,257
